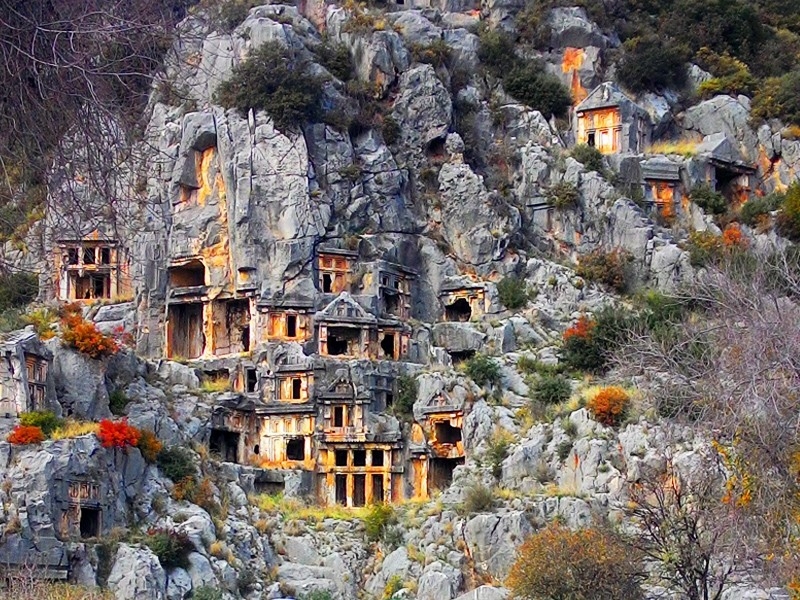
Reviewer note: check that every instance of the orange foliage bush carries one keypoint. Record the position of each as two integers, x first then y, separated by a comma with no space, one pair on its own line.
732,237
84,335
608,405
582,565
117,434
25,434
581,329
149,445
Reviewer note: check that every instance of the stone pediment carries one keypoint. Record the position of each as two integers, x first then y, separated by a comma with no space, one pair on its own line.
344,309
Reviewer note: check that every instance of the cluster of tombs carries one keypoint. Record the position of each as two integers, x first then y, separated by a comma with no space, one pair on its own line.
314,378
614,124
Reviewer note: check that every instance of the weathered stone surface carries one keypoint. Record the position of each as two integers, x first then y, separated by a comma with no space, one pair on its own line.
493,539
486,592
724,114
80,383
571,27
137,575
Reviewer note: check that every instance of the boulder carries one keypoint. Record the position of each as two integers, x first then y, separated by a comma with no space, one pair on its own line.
137,575
493,539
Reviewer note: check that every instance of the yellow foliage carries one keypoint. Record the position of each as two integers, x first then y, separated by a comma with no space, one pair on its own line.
216,384
683,147
73,429
293,509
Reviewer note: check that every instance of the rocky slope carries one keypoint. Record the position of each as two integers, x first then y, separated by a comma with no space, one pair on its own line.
459,190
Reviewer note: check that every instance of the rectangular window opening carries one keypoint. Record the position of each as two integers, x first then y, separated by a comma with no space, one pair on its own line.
296,449
341,489
377,458
341,458
359,458
291,326
377,487
359,490
251,378
297,386
88,256
338,416
90,522
105,256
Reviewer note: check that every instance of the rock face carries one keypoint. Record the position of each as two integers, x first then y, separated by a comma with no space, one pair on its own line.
307,303
137,575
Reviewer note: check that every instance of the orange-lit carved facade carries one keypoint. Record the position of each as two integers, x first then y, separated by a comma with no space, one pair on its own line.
334,269
91,269
663,189
437,444
611,122
26,379
357,464
719,163
462,302
199,326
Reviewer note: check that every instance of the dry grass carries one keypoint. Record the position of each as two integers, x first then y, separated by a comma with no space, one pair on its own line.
24,587
683,147
216,384
73,429
291,509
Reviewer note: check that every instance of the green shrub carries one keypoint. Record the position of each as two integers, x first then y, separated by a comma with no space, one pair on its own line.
393,585
552,389
541,91
377,519
176,462
336,58
788,222
483,370
513,292
437,53
17,289
45,420
705,248
228,14
649,65
497,52
609,268
563,195
659,313
590,157
390,130
731,76
753,211
478,498
171,547
406,396
117,401
778,98
588,345
271,79
497,451
205,592
709,200
731,26
532,366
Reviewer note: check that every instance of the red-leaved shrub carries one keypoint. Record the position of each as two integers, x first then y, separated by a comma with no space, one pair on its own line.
608,405
117,434
582,328
84,335
25,434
